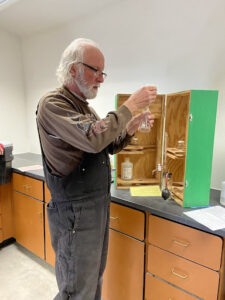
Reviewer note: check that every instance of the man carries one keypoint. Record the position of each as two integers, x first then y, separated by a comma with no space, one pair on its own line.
75,146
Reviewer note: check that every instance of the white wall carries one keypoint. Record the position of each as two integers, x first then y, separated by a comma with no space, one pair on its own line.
175,44
12,99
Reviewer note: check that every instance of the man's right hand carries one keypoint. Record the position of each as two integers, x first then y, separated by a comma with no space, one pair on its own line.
141,98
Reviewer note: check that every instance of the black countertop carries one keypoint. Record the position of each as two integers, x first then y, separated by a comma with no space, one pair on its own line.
167,209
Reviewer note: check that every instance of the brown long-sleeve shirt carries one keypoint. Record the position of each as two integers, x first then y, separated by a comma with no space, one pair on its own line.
68,127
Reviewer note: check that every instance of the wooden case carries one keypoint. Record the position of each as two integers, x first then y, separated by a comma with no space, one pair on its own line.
185,116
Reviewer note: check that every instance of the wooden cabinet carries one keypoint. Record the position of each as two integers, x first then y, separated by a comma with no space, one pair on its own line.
150,259
28,213
49,252
124,274
6,228
184,257
183,129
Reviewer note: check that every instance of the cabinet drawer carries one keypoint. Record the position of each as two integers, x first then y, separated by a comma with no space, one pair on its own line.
156,289
127,220
28,186
1,236
189,276
193,244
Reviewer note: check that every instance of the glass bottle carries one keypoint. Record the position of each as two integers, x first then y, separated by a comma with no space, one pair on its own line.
127,169
180,145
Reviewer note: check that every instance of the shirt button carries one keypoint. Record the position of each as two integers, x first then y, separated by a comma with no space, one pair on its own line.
74,231
83,169
103,162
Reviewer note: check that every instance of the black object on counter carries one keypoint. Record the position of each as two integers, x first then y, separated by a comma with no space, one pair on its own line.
6,162
165,194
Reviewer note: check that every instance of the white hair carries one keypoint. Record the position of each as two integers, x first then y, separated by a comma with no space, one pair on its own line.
72,54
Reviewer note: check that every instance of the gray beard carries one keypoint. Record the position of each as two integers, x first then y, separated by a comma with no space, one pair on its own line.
86,89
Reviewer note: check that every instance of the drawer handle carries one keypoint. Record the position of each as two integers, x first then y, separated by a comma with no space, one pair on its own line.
114,218
179,275
26,187
181,244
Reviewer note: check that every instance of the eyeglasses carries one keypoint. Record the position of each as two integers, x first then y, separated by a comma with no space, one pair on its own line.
96,71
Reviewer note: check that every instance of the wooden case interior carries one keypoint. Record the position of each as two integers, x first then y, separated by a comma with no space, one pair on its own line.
146,154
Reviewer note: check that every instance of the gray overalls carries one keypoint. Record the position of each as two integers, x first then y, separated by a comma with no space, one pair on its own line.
78,216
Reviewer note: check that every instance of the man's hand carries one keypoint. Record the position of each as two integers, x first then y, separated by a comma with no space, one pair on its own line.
141,98
134,123
1,149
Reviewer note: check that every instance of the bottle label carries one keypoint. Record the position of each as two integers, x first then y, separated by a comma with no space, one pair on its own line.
127,173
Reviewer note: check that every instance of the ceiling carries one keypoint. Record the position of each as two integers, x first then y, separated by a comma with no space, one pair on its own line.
26,17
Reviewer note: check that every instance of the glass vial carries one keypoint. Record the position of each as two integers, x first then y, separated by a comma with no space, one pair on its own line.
222,195
144,125
127,169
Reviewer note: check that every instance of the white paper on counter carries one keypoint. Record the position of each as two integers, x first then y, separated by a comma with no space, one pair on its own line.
30,168
211,217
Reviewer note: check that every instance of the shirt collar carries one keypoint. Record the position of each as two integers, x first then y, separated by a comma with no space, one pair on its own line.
79,97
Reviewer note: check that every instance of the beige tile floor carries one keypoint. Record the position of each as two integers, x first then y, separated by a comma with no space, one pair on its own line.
24,276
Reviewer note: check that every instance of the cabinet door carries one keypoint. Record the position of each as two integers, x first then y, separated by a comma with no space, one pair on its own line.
6,211
124,274
28,223
1,235
49,252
